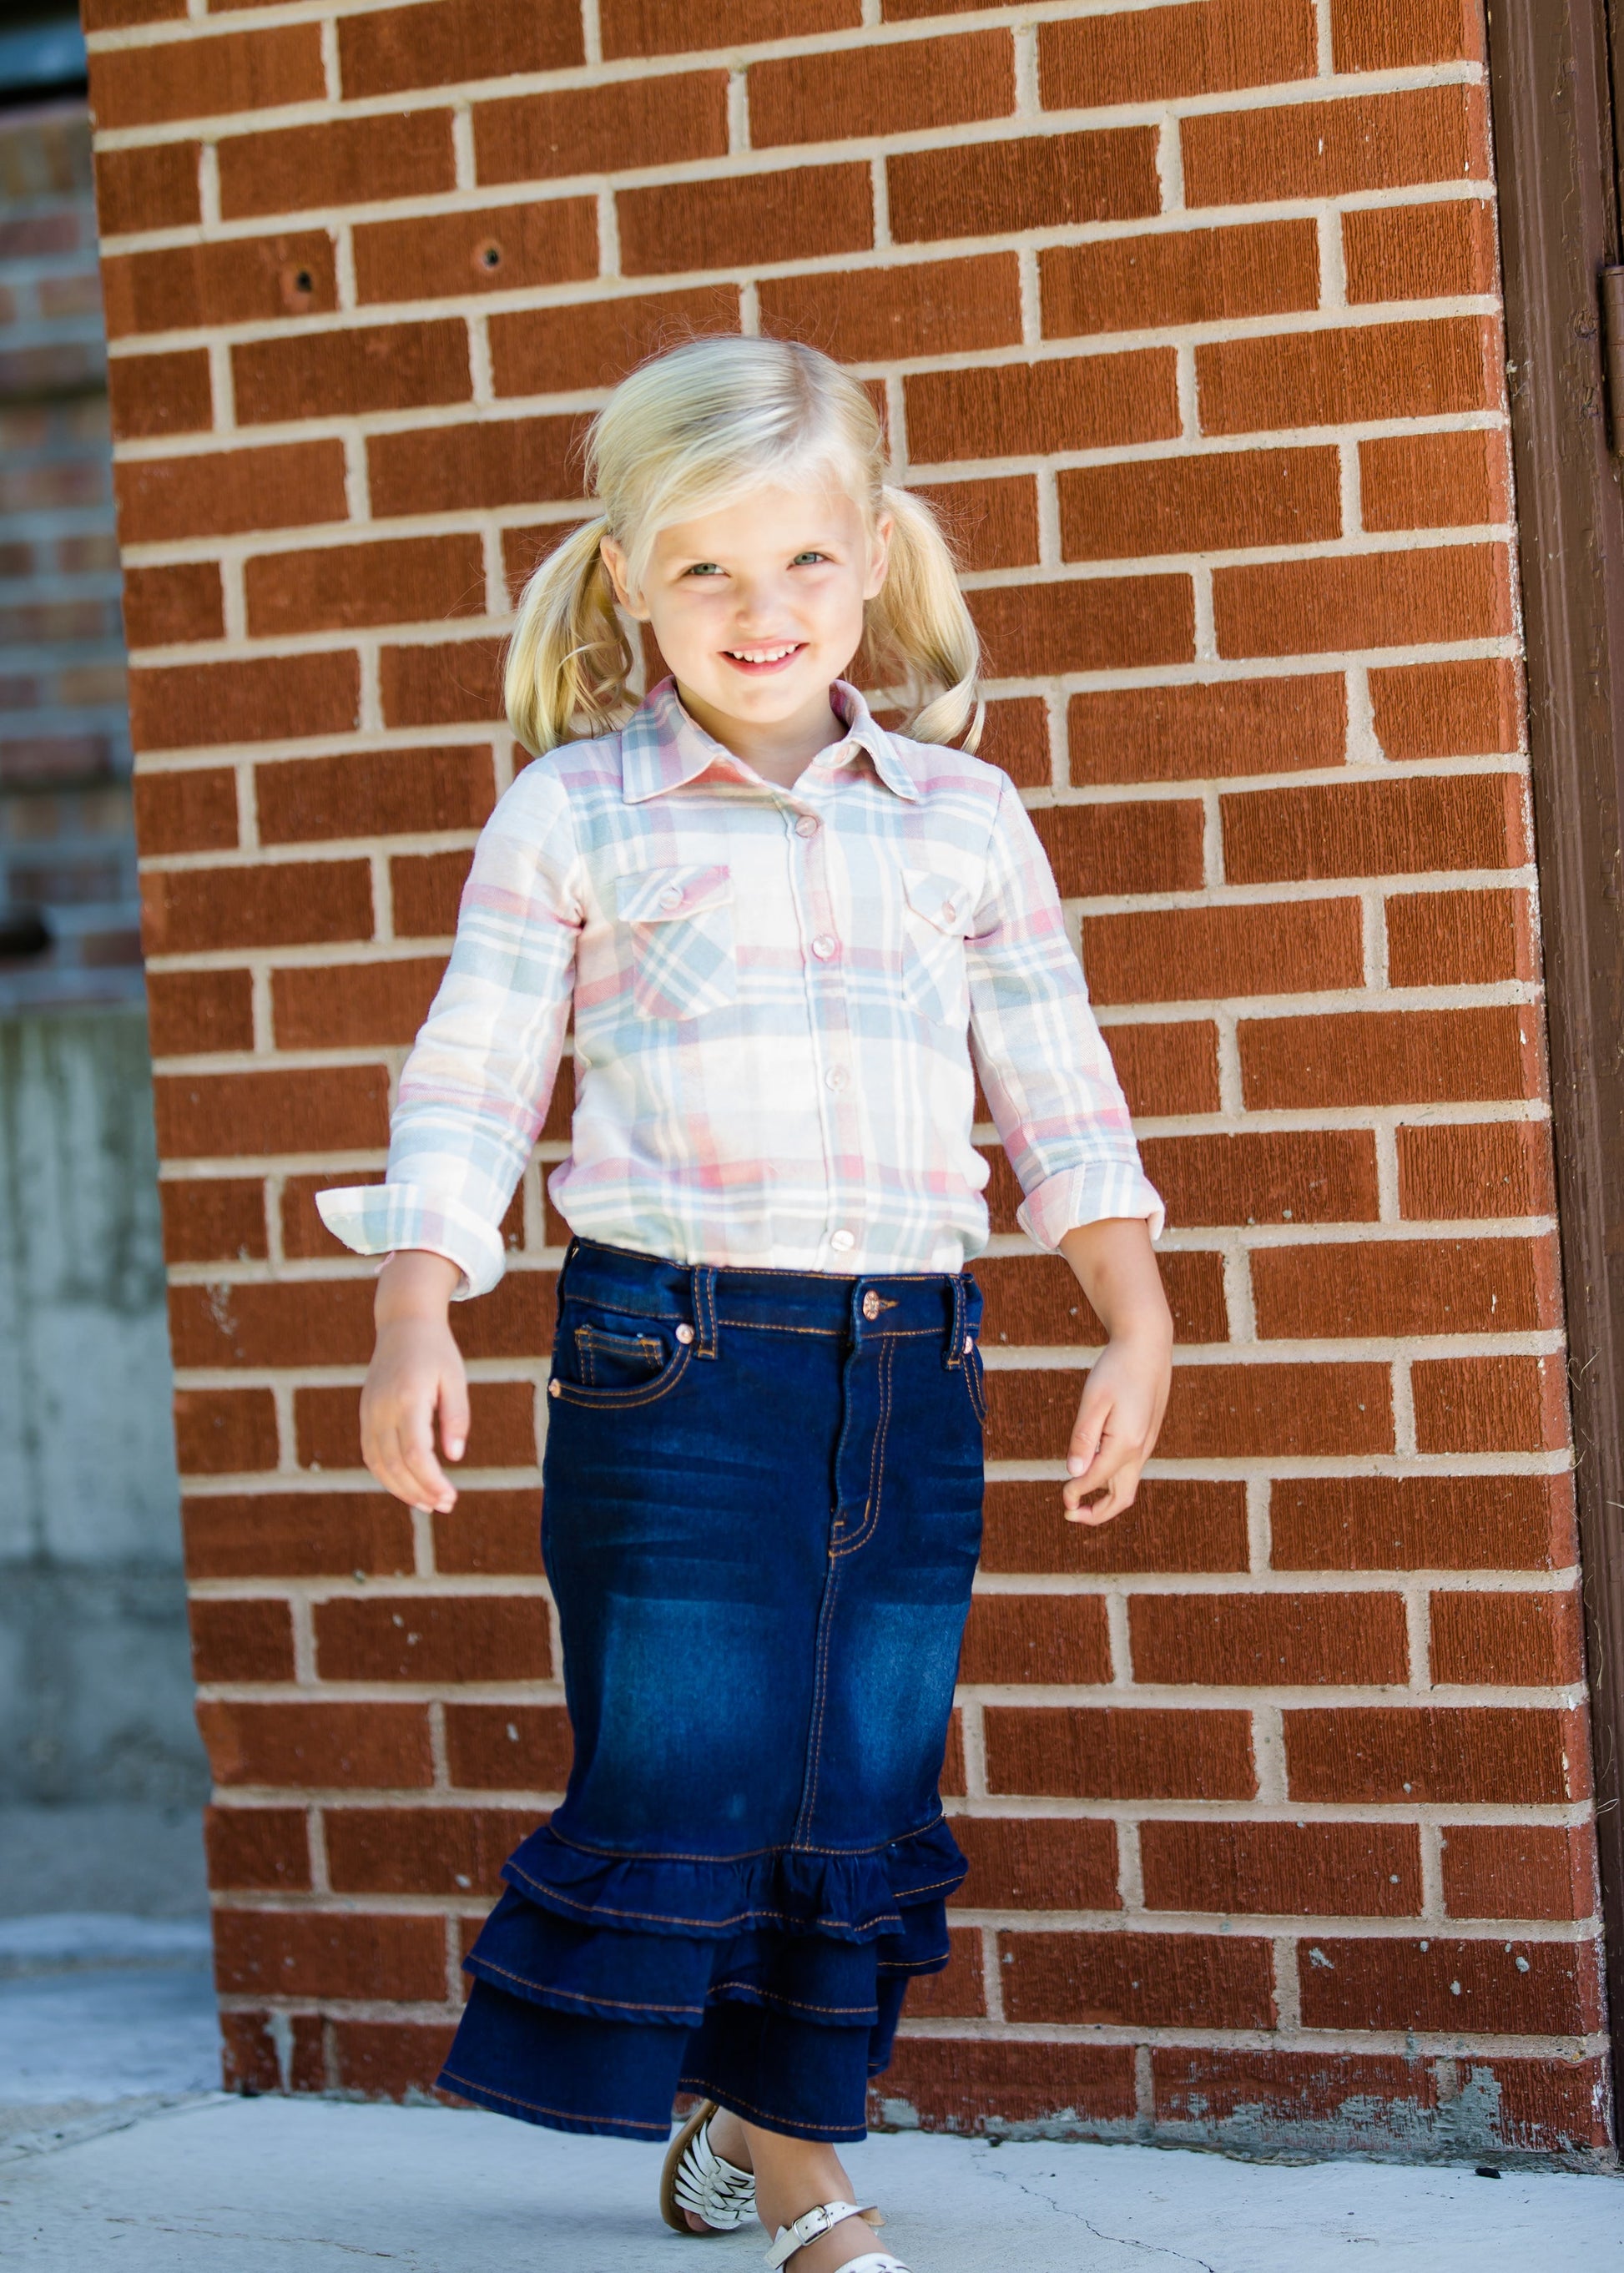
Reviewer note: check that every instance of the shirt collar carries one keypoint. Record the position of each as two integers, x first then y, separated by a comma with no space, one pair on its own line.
662,748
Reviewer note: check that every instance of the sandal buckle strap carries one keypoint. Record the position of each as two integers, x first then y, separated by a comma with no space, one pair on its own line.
811,2225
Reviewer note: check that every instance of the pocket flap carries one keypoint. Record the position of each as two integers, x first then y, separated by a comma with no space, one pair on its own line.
659,895
943,901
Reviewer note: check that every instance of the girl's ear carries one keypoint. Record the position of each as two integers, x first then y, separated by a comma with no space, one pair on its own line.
879,555
615,562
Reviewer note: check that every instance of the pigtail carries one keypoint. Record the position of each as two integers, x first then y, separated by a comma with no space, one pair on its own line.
920,627
569,659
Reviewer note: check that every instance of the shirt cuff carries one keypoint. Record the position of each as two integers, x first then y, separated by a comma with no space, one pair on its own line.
1091,1194
381,1219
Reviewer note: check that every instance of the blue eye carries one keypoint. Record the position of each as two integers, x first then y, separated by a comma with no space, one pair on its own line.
703,568
799,557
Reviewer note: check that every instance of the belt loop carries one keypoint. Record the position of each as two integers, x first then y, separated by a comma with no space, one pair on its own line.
956,1328
704,1310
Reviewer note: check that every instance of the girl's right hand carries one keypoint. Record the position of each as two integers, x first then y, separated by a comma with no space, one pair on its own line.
417,1373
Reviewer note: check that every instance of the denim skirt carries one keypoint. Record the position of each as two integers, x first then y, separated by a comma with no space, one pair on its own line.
761,1508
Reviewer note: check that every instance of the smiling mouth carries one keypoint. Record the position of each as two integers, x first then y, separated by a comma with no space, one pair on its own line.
759,662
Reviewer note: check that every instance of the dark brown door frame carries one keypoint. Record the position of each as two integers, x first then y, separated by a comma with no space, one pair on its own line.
1553,100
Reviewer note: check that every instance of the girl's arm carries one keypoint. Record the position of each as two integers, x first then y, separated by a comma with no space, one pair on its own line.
1120,1417
417,1373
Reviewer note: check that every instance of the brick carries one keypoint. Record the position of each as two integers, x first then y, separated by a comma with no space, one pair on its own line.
1014,734
1176,276
327,1426
241,1641
341,162
111,15
1510,1640
214,1218
467,468
457,682
1169,954
352,1005
1334,149
898,89
1049,1864
501,249
1433,481
221,1431
1377,1057
151,188
1476,1168
205,78
660,28
1367,36
1276,1175
421,1637
1106,623
390,2060
1217,502
426,891
509,1747
160,394
1442,250
256,2058
1425,369
1137,1980
451,41
670,120
294,1953
513,1322
301,1321
168,606
1073,402
258,1850
234,280
343,587
993,524
1550,2107
1052,181
1054,1638
953,1780
491,1532
344,374
1459,939
592,343
221,494
1503,1757
958,1994
743,220
329,1108
375,793
420,1850
1490,1404
926,308
1447,710
295,1534
1155,52
1268,1641
1401,1287
320,1747
1518,1871
194,911
1420,1523
1241,1412
1034,1301
1176,1524
1109,850
974,2086
192,812
1283,1870
1363,600
1115,1753
1197,734
1166,1069
1539,1988
1364,2104
191,1010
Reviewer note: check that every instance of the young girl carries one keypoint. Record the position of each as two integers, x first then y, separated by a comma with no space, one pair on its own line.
785,931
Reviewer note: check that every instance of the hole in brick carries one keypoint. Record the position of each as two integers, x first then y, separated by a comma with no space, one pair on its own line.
298,289
488,256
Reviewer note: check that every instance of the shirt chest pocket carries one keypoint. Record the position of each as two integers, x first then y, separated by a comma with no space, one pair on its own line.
681,925
936,911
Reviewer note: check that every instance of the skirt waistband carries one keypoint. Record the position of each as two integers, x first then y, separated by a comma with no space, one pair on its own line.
711,1298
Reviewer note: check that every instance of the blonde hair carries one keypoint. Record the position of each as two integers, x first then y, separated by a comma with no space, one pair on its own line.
689,431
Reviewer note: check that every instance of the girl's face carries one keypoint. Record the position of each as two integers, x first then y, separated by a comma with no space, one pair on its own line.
758,606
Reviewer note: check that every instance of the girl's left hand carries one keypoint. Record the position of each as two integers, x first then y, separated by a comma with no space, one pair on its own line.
1117,1424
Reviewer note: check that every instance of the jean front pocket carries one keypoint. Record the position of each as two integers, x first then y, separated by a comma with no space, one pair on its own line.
609,1361
616,1361
933,966
682,954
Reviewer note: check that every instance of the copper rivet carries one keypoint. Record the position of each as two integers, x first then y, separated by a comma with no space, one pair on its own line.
553,1389
969,1344
871,1304
685,1333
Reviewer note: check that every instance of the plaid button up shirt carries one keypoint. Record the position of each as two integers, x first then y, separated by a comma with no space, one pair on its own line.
777,994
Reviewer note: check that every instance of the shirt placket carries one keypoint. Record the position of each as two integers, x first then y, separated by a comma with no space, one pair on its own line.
823,948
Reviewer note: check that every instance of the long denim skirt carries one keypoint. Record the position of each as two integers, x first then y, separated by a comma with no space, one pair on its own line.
761,1516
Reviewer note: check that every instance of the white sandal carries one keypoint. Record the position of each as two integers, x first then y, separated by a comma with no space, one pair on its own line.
696,2178
812,2224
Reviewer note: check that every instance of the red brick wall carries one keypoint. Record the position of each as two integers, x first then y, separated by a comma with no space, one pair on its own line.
1276,1791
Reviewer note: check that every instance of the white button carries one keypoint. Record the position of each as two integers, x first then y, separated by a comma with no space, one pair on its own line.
805,826
844,1241
685,1333
837,1077
824,947
671,896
